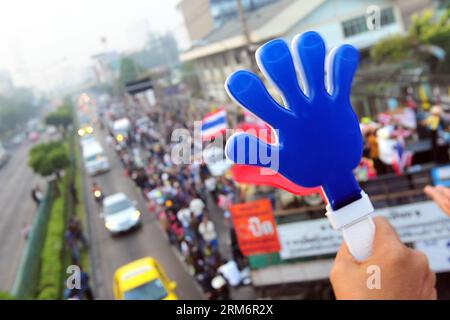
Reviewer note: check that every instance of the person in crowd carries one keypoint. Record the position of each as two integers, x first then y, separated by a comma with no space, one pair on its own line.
72,242
163,218
73,191
76,229
194,223
72,294
208,232
37,195
231,272
205,278
433,121
197,206
184,216
374,152
85,288
221,288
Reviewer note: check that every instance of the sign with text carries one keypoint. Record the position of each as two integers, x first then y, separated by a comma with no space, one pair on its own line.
413,222
441,176
255,227
437,252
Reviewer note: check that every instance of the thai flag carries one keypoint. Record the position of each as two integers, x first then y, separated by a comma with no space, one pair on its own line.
214,123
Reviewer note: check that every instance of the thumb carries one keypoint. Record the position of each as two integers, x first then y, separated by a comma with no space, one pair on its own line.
385,236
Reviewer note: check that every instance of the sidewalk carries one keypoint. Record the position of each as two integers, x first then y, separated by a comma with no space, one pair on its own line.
217,217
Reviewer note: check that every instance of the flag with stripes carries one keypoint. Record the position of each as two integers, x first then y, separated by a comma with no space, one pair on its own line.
213,124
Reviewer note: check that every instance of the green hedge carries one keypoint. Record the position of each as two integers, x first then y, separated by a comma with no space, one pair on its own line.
80,207
55,256
6,296
51,272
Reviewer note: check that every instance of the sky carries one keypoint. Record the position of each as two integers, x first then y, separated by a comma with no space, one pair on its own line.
43,42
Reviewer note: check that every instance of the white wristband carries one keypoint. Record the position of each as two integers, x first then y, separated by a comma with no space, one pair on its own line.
356,225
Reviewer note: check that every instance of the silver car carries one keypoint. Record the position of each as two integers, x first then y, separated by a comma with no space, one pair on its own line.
120,213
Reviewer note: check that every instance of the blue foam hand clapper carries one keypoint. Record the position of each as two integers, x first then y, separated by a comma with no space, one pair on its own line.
319,141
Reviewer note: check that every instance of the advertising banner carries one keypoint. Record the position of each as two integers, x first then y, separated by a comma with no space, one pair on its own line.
255,227
413,222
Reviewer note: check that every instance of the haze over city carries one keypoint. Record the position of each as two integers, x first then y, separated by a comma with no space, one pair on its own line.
44,42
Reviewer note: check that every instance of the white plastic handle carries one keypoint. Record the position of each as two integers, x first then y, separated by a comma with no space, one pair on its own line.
356,224
359,238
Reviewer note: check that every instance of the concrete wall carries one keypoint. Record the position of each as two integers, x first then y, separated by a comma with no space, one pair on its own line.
197,17
328,18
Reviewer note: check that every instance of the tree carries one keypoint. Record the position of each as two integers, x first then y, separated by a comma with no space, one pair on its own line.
61,118
427,41
16,109
50,158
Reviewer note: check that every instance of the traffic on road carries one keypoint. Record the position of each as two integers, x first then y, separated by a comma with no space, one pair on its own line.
225,150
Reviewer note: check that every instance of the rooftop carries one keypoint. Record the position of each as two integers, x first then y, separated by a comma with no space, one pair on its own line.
265,23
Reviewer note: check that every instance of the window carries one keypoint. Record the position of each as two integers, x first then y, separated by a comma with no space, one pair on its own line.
119,206
359,25
354,26
153,290
387,17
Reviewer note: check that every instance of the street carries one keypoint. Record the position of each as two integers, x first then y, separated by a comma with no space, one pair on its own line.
17,209
107,254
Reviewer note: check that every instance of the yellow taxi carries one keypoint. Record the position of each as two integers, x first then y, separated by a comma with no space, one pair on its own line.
143,279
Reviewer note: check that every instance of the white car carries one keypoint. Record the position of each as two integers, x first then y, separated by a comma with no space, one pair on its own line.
120,213
87,139
95,159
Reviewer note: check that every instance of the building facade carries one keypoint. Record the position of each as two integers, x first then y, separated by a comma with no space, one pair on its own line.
203,16
224,50
106,66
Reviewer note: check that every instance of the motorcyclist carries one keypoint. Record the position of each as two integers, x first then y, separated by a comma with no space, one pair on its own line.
97,192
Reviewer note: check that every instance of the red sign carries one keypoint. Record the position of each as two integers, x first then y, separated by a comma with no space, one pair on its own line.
255,227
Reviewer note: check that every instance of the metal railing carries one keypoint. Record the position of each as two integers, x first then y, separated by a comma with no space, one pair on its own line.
27,277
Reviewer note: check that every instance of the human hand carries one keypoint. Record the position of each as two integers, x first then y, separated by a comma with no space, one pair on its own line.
440,195
319,138
404,273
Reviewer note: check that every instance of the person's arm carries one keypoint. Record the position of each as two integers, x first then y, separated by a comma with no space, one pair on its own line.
403,273
440,195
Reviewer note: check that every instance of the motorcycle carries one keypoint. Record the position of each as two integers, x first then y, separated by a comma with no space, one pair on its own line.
98,195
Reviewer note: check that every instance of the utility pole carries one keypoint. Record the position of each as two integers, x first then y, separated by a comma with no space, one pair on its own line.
246,33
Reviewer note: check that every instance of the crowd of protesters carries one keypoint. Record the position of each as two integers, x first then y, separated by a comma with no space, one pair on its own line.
386,140
178,197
